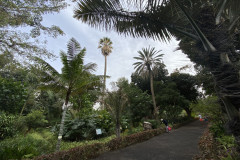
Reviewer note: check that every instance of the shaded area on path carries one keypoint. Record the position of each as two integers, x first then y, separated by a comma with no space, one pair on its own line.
180,144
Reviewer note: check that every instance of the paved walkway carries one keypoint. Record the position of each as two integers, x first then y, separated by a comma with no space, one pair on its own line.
180,144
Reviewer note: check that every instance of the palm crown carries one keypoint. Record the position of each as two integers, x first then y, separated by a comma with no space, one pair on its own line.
75,75
147,60
106,46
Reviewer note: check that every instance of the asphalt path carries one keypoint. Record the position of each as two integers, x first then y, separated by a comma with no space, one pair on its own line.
180,144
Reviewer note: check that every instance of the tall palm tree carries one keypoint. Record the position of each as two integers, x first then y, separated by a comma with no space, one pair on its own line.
147,60
75,78
105,44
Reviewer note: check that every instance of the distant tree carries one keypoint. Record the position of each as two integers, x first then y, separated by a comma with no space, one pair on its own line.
18,14
147,60
160,74
139,102
171,100
186,84
105,44
75,79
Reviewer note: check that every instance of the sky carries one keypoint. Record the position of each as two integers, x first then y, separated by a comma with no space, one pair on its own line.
119,62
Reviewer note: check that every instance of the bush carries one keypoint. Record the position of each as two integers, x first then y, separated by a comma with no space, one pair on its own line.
28,146
7,128
12,95
84,127
35,119
155,123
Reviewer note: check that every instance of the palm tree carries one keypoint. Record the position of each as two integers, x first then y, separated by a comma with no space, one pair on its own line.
106,48
75,78
147,60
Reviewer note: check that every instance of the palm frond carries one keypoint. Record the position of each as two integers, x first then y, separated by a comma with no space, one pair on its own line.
110,14
73,48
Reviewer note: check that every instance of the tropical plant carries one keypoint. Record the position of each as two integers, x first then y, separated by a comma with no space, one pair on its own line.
75,79
105,44
147,60
7,127
115,102
83,127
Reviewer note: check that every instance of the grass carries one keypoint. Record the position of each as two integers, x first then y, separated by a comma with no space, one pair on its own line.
65,145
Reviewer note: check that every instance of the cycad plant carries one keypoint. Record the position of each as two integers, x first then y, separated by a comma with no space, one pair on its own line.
148,59
75,79
105,44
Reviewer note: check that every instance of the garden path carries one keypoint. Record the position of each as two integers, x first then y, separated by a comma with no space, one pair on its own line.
180,144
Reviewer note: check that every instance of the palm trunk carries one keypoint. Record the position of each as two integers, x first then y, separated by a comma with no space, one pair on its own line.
62,121
61,127
104,82
118,130
153,95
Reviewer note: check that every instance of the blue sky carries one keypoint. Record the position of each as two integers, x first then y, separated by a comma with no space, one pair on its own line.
124,48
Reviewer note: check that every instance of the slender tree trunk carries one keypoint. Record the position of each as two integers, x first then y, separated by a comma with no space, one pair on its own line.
61,127
118,130
104,82
24,106
153,96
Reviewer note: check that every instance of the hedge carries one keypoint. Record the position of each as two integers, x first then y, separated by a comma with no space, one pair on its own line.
94,150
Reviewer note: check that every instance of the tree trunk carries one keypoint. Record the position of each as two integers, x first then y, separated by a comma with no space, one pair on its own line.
61,127
188,111
153,96
118,130
104,82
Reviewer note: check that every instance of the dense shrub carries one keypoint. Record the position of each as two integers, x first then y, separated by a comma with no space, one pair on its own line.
35,119
84,127
12,96
28,146
83,153
7,127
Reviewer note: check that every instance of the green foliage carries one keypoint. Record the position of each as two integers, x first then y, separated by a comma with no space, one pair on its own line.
226,141
186,85
49,103
29,15
132,130
209,107
28,146
7,125
35,119
66,145
12,96
83,127
139,104
155,123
